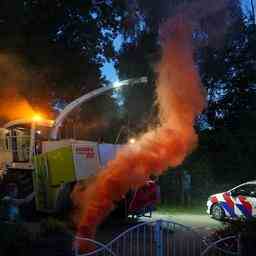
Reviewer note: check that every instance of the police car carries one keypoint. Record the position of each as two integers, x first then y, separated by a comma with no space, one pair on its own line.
238,202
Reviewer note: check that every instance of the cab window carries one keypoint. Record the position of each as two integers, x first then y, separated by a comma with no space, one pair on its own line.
20,142
41,134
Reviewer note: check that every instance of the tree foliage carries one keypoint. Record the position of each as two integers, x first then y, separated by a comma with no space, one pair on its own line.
63,43
58,48
229,75
137,59
227,67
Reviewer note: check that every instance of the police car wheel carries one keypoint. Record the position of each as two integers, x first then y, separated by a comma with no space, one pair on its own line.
217,212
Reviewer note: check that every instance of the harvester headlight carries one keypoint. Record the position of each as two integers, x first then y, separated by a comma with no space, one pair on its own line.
132,141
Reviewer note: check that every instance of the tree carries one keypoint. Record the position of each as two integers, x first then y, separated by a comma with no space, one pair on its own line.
140,55
226,59
61,44
253,11
136,59
228,73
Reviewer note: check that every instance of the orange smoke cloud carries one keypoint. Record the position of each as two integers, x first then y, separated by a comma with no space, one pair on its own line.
180,100
13,85
14,107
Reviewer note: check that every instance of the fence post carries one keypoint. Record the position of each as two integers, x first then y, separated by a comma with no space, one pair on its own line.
159,238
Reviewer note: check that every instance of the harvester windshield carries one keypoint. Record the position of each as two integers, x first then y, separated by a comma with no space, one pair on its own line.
24,138
19,140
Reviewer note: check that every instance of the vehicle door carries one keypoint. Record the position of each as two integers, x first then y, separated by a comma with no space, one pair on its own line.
245,200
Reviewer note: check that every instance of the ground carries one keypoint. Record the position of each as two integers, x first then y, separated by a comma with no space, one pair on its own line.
201,223
179,243
194,217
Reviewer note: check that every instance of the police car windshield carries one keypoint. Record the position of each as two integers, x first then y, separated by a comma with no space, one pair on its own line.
246,189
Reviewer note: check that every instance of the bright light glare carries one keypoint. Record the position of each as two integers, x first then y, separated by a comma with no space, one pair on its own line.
38,132
117,84
142,79
37,118
132,141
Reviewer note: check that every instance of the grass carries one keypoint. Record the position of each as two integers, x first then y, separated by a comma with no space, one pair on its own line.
170,209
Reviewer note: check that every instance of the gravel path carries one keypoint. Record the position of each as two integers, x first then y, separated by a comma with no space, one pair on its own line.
195,221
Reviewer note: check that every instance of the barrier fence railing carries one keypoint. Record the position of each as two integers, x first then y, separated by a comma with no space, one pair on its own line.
230,245
156,238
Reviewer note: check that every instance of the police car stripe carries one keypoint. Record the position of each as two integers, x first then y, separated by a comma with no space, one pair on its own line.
214,199
228,200
230,205
243,210
245,207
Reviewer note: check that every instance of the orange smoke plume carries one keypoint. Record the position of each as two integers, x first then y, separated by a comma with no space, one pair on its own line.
180,100
14,106
14,84
13,78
